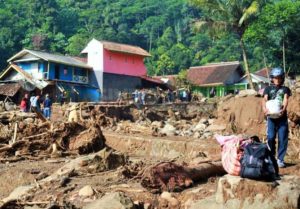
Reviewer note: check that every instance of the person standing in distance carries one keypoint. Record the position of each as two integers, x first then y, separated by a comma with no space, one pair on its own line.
277,126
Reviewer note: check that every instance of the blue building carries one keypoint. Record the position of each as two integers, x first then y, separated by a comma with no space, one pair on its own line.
41,73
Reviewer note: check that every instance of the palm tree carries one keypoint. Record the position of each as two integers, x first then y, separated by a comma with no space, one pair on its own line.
233,15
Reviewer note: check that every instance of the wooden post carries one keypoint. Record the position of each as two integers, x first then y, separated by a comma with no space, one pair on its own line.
15,133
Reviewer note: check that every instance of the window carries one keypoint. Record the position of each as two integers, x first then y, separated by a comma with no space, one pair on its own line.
80,72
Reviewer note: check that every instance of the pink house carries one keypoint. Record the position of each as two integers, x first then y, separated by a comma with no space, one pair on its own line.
117,67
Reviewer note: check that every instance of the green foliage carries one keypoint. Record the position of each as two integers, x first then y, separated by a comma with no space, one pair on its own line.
278,23
168,29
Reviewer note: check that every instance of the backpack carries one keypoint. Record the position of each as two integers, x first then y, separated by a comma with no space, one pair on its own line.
256,162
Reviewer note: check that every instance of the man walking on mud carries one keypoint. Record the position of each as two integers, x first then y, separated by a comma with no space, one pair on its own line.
277,125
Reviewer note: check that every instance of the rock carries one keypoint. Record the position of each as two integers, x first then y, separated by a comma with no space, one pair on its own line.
168,130
86,191
116,200
246,92
196,135
199,127
236,192
168,196
211,121
18,193
204,121
29,120
158,124
258,194
215,128
147,206
207,135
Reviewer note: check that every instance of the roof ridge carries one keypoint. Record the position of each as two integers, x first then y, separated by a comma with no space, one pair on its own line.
52,53
119,43
217,64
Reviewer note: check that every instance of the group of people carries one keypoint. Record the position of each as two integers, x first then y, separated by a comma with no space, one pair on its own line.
139,96
36,103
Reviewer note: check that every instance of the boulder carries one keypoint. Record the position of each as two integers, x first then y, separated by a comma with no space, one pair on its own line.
237,192
199,127
18,193
86,191
116,200
168,130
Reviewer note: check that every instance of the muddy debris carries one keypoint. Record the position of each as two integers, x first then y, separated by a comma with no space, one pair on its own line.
50,139
92,175
171,177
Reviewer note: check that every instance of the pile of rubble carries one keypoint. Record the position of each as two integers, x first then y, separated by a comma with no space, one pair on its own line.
32,138
193,120
94,175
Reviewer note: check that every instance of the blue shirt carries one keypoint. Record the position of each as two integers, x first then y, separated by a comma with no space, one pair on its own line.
47,103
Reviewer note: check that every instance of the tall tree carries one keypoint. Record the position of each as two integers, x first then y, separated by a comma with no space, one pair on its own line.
234,15
276,29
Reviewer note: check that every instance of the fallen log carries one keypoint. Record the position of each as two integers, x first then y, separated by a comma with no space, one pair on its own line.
168,176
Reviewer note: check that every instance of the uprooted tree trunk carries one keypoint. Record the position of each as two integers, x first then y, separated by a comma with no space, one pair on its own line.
168,176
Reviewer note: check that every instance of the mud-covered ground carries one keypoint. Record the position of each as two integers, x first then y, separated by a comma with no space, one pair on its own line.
137,139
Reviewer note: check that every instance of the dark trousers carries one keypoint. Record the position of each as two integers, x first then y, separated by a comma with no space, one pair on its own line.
278,127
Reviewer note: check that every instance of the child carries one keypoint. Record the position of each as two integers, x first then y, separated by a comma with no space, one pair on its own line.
277,91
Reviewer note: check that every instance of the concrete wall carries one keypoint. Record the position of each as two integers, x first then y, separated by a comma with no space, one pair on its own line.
94,51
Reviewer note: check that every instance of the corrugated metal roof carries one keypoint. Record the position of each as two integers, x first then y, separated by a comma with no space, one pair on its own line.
51,57
125,48
255,78
9,89
212,73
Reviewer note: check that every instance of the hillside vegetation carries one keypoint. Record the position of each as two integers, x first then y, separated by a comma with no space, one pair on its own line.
170,30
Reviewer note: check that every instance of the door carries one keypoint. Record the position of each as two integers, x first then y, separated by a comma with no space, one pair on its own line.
56,72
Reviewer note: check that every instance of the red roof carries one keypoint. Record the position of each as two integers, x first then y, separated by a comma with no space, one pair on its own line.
125,48
264,72
217,73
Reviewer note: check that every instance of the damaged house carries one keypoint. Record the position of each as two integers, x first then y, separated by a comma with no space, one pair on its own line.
41,72
104,69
